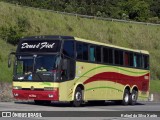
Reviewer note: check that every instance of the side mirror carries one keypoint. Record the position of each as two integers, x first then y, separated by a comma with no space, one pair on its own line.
9,59
64,64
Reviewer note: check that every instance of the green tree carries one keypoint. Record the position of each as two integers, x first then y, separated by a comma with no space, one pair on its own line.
135,9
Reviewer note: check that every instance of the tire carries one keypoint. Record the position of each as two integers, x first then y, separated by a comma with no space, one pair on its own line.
126,97
133,97
78,97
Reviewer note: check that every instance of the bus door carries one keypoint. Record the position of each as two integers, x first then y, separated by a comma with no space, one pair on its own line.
67,70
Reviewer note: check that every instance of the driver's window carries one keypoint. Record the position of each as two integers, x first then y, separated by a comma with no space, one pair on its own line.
68,48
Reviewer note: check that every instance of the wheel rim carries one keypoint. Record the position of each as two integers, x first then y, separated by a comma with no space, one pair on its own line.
134,97
78,96
126,98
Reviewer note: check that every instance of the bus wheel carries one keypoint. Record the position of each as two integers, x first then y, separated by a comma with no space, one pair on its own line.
133,97
126,95
78,98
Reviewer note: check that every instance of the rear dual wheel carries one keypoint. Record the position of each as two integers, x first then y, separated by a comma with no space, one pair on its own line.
126,97
130,98
133,97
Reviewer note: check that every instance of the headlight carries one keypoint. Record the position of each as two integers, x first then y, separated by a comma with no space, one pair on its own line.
17,87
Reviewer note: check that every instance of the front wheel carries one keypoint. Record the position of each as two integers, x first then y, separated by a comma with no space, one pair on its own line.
78,97
133,97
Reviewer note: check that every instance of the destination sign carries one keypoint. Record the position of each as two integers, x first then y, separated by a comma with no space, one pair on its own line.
39,46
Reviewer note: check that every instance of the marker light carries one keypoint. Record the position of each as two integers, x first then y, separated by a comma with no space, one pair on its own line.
50,95
15,94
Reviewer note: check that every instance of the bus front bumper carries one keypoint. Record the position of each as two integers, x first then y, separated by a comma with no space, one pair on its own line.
36,95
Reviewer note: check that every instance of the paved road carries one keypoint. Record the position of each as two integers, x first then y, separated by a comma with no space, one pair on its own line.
94,109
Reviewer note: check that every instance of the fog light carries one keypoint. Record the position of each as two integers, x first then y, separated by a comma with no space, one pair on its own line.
15,94
50,95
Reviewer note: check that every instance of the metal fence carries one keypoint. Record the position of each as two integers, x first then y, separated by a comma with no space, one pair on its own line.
92,17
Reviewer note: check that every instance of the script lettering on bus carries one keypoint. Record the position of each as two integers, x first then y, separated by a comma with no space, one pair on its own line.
38,45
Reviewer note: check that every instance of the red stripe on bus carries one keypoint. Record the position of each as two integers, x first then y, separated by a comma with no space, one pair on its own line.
140,81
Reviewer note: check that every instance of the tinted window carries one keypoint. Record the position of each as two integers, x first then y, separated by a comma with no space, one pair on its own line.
79,49
82,51
92,53
139,61
146,62
68,48
131,59
98,54
85,51
118,57
107,55
128,59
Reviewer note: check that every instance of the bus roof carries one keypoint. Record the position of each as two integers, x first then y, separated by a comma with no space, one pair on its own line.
109,45
60,37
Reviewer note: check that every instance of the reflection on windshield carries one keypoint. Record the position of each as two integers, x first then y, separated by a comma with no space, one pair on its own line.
45,63
39,68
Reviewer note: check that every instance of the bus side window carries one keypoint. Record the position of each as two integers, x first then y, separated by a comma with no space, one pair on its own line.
98,53
118,55
126,59
79,49
85,51
131,59
139,61
68,48
92,53
108,55
135,60
105,55
146,62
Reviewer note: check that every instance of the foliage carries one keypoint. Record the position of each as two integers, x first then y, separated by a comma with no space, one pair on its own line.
154,86
27,22
139,10
12,34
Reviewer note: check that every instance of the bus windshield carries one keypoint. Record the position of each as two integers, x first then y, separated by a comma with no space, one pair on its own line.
36,68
